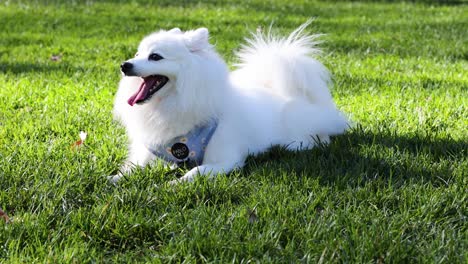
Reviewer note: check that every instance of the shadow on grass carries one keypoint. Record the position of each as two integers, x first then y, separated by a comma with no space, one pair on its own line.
60,68
18,68
354,83
266,6
260,3
359,157
428,2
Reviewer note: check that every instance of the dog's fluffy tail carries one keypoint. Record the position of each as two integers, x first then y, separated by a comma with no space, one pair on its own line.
286,65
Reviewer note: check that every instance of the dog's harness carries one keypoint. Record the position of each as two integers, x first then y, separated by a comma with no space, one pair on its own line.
187,150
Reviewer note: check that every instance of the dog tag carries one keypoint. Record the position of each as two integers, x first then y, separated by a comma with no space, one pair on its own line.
180,151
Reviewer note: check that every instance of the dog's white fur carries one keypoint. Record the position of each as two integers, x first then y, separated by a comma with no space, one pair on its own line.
277,96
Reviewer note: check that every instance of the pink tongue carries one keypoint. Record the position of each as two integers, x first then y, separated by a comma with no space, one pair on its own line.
141,94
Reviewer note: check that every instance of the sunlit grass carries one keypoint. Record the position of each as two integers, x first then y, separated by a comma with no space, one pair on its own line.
393,189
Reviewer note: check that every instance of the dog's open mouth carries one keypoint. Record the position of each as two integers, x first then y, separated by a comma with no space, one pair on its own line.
149,86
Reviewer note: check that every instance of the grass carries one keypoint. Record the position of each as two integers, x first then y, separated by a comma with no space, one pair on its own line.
393,189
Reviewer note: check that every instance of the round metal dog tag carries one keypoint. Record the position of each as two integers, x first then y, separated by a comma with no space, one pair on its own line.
180,151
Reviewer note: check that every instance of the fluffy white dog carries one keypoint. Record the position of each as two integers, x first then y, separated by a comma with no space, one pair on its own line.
179,102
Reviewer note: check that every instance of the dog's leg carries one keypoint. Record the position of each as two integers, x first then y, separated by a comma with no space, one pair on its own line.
208,169
139,156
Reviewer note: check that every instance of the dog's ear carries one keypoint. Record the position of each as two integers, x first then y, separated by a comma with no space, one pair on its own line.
197,39
175,31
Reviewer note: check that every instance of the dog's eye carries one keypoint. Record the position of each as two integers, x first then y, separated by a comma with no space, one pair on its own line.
155,57
136,54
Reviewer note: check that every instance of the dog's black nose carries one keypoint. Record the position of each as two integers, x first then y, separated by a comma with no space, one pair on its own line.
126,67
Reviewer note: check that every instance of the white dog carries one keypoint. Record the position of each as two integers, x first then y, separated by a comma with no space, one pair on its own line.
179,102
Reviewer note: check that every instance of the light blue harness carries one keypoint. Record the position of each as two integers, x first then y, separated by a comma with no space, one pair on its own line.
187,150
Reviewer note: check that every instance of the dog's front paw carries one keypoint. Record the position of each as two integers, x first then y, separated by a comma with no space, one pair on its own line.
186,178
173,182
114,178
124,170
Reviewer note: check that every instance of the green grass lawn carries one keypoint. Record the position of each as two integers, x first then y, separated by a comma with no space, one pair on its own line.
392,190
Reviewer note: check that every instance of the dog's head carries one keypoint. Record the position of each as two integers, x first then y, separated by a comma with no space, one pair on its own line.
168,62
